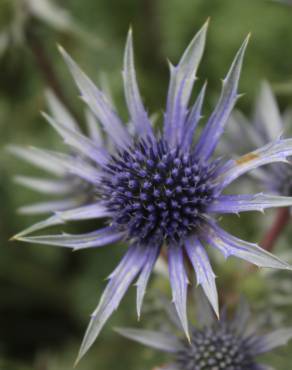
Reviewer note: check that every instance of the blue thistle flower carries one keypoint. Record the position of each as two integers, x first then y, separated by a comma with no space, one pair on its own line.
160,191
215,345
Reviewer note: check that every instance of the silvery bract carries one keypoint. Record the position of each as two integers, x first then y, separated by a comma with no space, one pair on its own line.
160,190
65,190
266,125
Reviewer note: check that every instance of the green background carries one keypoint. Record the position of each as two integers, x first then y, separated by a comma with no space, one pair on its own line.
47,294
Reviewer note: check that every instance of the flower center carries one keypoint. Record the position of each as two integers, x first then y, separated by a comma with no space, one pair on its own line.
217,348
156,193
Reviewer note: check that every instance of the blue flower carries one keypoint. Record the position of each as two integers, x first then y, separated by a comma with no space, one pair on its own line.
215,345
160,190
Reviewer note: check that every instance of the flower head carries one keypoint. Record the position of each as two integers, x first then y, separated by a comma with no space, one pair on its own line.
157,193
216,345
160,190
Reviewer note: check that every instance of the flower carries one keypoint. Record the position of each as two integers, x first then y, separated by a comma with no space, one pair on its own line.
224,344
161,190
266,125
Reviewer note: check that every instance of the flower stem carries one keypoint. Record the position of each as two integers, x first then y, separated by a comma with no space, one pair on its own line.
281,220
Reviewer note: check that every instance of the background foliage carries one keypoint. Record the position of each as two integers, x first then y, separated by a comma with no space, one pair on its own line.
47,294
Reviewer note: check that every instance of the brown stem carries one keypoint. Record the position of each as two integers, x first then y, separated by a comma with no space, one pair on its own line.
46,68
281,220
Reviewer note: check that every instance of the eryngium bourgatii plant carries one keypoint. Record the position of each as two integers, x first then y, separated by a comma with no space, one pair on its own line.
160,189
215,345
